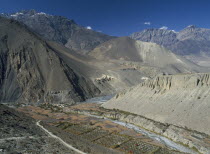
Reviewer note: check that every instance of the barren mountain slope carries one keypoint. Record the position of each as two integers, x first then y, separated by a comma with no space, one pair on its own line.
181,99
109,76
31,71
149,54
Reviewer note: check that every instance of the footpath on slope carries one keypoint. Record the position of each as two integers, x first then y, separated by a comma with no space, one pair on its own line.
59,139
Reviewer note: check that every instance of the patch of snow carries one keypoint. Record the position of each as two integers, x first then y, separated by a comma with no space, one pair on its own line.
164,27
190,26
13,15
16,14
174,31
41,13
89,27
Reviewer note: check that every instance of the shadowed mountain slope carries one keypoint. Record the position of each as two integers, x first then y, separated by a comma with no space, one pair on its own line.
31,71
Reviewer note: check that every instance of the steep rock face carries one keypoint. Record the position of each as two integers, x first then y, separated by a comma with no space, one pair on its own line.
191,41
60,29
163,83
30,69
194,33
160,36
181,100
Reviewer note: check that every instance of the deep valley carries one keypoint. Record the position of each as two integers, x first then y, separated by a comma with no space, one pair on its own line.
68,88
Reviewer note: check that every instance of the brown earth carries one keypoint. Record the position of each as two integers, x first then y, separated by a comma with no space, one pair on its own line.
93,130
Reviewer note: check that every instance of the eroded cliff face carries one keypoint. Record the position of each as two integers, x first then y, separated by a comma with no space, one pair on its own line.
181,100
30,70
187,81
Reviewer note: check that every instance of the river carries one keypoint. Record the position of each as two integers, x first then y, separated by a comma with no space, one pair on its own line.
167,142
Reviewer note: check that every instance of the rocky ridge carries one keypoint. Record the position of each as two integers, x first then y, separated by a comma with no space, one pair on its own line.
60,30
191,42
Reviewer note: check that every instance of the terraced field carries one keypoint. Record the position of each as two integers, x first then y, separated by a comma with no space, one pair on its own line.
96,131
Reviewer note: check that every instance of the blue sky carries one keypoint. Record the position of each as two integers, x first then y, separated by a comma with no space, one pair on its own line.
121,17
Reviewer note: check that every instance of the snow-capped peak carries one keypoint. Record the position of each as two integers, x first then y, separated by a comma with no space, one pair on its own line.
31,13
16,14
41,13
163,27
191,26
174,31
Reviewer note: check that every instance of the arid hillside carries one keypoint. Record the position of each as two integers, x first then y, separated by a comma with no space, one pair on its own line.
182,100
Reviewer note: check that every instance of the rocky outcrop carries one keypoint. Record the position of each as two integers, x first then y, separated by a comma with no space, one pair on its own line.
188,81
30,68
160,36
60,29
181,100
104,78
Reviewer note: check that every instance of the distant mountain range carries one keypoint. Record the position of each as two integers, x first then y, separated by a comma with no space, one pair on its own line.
191,42
60,29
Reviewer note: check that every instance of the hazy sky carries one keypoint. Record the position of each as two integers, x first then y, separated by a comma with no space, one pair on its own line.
121,17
